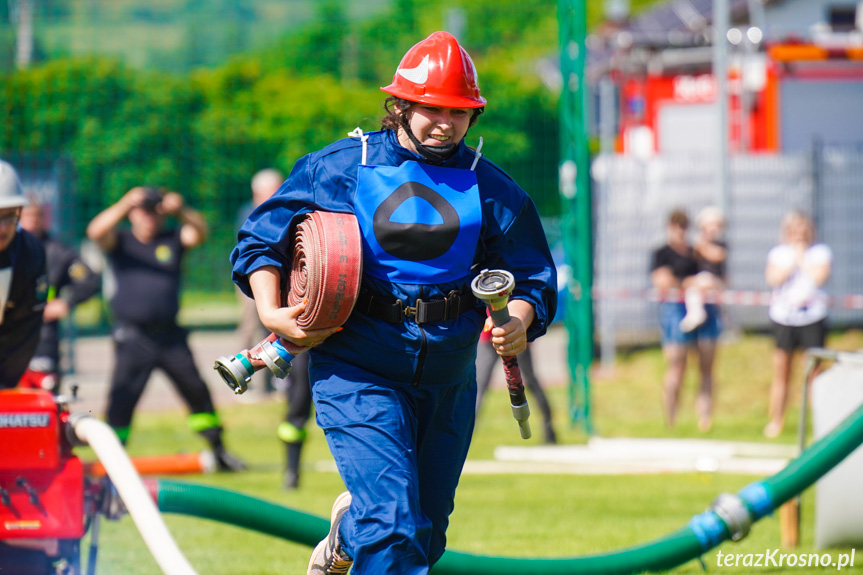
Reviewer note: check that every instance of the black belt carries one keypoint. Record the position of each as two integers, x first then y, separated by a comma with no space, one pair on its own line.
395,311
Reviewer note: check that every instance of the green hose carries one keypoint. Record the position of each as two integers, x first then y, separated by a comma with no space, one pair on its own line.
240,510
704,532
816,461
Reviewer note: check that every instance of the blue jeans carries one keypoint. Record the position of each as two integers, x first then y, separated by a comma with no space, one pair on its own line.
670,314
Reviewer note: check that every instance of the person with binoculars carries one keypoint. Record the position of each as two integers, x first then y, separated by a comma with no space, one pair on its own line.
146,263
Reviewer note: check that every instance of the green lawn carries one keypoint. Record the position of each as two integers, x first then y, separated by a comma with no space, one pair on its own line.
511,515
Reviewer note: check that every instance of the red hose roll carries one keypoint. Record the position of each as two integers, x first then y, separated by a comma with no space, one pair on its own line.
326,272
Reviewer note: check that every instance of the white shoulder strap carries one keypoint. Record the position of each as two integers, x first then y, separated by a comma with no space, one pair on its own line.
358,133
477,154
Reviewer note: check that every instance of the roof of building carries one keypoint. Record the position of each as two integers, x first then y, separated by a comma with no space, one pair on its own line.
673,24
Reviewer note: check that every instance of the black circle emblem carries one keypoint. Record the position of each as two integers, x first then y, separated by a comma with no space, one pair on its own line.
415,242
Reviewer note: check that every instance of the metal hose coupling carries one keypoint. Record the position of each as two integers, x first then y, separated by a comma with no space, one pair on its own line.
237,371
493,287
732,510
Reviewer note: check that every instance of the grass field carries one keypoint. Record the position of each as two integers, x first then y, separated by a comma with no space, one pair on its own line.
511,515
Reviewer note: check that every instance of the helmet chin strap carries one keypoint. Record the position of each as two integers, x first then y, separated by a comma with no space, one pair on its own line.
434,154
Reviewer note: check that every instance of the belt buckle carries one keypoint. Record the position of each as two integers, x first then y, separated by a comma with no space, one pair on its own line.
452,304
412,310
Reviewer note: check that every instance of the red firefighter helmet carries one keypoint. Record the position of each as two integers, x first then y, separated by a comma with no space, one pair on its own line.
439,72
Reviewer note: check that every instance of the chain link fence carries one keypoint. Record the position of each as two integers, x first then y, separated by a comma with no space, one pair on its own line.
633,199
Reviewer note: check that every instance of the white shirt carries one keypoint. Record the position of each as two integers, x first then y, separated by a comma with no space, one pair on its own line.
798,301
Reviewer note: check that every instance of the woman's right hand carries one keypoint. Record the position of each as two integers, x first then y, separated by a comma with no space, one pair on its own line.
283,322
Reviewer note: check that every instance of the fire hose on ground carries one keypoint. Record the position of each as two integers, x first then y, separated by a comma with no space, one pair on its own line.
730,517
136,498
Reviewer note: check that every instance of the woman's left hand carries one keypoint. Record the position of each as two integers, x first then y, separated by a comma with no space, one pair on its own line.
511,338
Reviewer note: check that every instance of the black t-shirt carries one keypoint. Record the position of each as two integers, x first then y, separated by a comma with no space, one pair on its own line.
717,269
147,278
681,266
69,277
19,332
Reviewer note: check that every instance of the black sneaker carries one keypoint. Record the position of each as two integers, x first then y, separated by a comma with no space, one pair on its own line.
292,480
227,462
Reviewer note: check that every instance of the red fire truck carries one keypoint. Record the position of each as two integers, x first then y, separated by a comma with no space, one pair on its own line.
778,100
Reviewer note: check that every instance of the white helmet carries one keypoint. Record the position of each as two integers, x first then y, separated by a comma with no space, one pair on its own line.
11,194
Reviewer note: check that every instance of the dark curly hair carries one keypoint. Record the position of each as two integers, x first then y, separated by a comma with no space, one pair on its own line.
393,119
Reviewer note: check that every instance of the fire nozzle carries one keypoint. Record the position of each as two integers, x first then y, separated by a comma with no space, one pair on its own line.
494,288
237,371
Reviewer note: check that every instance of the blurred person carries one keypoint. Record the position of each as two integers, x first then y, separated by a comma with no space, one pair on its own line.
396,398
250,330
487,359
292,431
70,282
796,269
674,267
23,283
146,265
710,253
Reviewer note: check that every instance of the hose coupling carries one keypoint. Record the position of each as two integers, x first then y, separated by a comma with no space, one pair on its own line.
237,371
69,430
493,287
277,358
732,510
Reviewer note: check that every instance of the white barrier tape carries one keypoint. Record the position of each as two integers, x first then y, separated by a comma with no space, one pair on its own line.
724,297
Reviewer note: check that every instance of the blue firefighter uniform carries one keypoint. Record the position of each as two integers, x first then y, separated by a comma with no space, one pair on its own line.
396,397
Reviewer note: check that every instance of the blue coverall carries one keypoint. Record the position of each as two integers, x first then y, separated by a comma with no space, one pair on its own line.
396,400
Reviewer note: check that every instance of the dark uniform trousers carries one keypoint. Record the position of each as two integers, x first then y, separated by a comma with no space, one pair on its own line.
141,349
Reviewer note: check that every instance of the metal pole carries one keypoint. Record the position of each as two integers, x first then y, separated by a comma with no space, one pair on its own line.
608,341
24,40
576,224
720,74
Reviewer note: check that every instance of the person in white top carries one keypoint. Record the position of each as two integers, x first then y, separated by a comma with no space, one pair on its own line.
796,270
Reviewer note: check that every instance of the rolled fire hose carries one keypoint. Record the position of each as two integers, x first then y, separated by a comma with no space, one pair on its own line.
326,271
137,499
729,517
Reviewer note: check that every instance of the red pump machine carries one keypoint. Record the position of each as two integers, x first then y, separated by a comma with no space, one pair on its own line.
45,502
